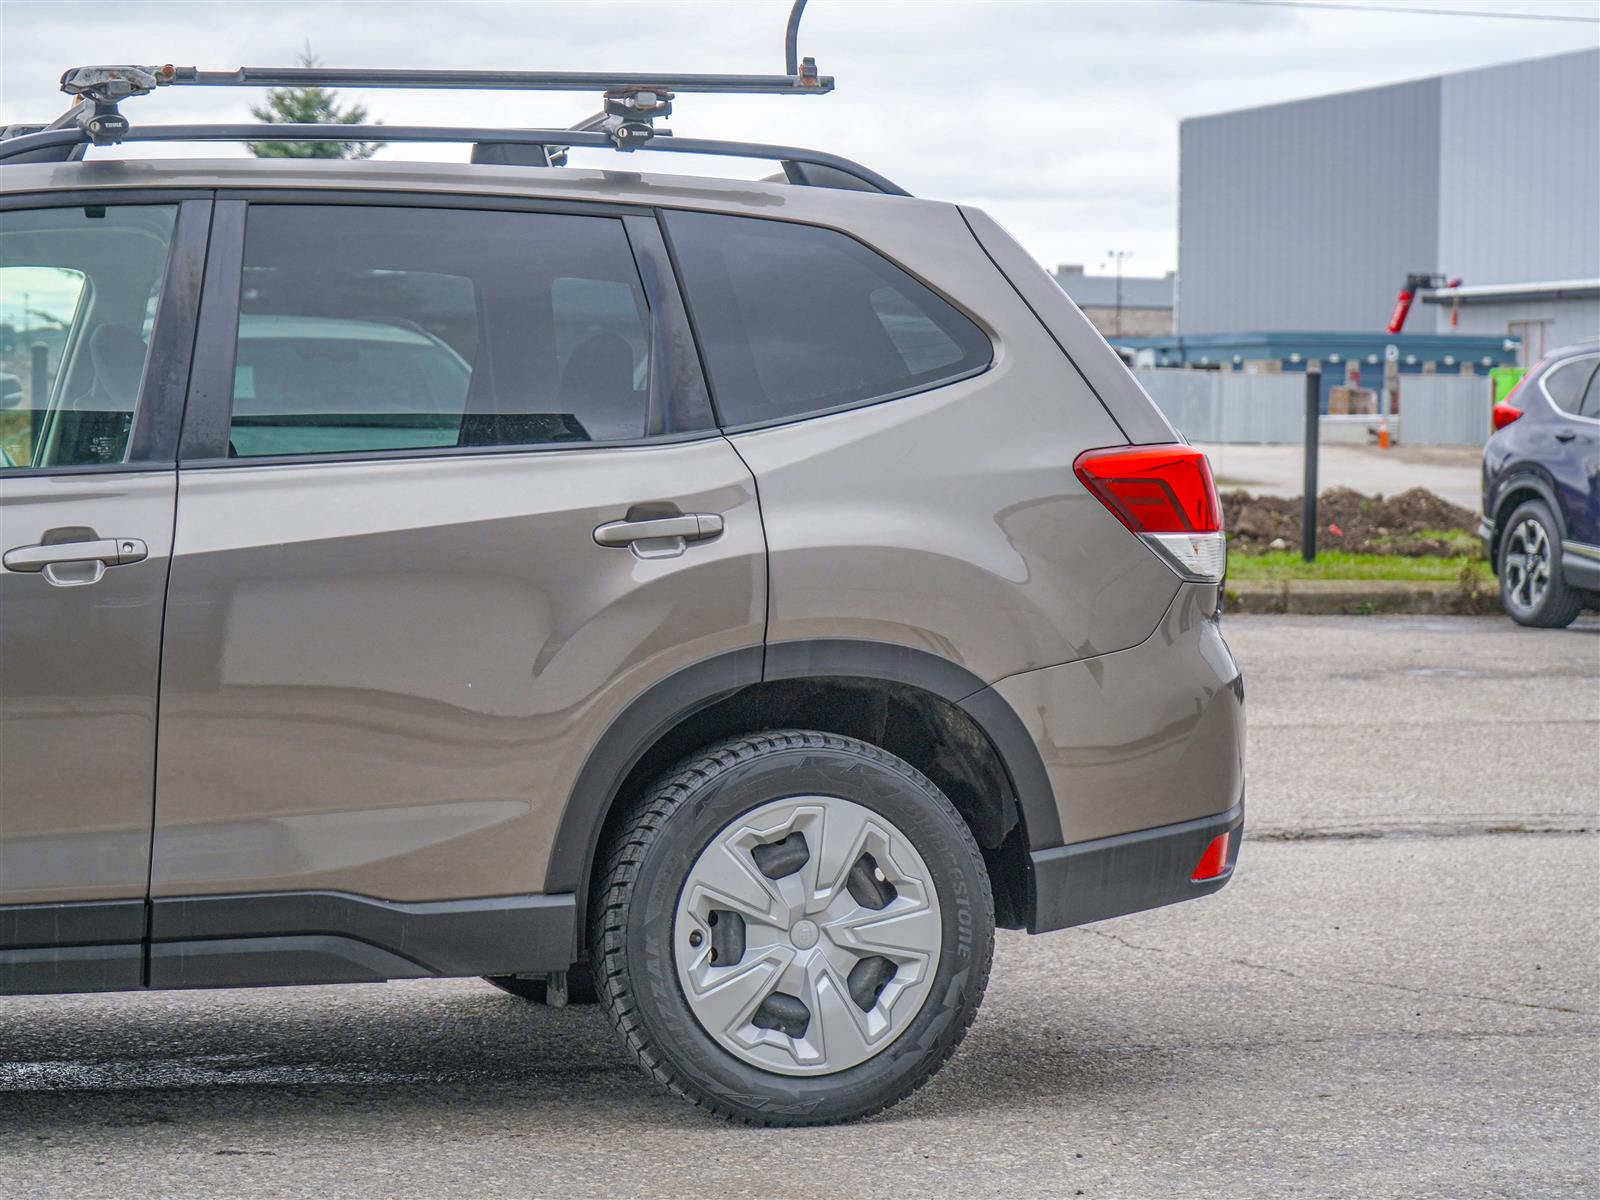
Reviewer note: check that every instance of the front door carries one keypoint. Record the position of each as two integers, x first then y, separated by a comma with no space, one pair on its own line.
97,303
451,496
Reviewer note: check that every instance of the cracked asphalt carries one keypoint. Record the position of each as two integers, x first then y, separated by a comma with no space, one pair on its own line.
1399,995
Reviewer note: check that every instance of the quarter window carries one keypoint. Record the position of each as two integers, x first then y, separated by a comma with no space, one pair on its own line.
1590,404
1564,383
795,320
371,329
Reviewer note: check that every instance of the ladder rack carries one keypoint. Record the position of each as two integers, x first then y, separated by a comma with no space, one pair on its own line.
631,104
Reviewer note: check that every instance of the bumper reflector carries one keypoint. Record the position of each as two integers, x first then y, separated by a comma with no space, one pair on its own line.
1214,861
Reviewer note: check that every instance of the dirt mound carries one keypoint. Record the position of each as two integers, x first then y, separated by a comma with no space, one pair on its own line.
1416,522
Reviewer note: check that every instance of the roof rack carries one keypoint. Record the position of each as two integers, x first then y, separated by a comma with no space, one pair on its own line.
815,168
631,104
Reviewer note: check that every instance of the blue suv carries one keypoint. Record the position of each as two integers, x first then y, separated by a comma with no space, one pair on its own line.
1541,490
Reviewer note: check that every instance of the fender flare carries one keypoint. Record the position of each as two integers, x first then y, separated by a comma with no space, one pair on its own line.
680,695
1529,477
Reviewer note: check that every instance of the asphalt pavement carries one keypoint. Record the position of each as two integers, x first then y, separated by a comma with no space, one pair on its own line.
1399,995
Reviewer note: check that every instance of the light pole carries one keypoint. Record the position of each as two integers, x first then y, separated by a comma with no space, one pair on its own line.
1117,256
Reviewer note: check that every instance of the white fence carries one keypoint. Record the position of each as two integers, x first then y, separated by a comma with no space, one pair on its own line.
1224,406
1445,410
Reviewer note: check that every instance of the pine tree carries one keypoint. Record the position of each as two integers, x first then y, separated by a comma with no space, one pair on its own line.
310,106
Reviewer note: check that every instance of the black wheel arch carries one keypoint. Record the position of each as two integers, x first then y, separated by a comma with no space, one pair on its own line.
1521,483
653,718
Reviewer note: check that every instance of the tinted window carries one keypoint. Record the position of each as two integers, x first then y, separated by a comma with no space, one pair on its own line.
1590,405
1564,383
795,320
408,328
78,293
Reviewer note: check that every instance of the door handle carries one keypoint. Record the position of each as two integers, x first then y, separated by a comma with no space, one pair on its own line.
110,552
691,527
1565,435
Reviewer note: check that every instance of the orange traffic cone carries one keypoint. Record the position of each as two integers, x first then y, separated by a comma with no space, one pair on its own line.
1383,434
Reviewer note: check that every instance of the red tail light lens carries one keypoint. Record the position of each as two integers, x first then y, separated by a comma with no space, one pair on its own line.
1504,414
1214,861
1167,496
1154,489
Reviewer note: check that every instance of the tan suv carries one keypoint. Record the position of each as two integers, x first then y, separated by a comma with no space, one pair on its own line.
731,598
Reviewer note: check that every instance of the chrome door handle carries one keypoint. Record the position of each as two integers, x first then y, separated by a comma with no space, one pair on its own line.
691,527
110,552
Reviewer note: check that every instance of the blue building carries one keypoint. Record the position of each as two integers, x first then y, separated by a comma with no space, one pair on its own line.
1345,358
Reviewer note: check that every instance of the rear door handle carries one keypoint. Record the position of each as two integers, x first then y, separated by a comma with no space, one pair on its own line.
691,527
111,552
1565,435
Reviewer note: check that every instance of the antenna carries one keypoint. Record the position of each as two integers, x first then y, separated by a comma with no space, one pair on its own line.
631,103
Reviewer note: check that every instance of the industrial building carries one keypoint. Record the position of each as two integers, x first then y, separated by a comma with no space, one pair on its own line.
1309,215
1121,305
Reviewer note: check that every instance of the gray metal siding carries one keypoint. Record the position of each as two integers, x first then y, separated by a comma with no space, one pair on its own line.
1545,325
1307,215
1519,175
1219,406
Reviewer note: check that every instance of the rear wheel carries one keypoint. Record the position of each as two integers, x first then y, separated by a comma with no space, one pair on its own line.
793,928
1531,584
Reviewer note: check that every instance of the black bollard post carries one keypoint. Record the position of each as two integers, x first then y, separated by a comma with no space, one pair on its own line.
1308,499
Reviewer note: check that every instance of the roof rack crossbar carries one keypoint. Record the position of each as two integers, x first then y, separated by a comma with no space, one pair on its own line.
801,82
632,103
27,145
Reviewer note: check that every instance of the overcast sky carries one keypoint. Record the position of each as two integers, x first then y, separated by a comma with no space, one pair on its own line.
1060,118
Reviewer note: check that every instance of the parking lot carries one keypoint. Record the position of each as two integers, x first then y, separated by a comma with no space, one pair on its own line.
1396,996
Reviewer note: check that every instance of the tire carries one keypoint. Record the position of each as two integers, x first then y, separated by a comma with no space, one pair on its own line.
1532,588
648,908
580,986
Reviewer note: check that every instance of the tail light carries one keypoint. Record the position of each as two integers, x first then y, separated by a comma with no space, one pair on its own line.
1504,414
1165,495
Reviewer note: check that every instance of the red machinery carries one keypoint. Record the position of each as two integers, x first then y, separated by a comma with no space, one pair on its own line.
1414,284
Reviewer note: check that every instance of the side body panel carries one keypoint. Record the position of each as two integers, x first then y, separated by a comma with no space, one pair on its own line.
382,677
951,521
1096,363
79,665
1573,445
1149,736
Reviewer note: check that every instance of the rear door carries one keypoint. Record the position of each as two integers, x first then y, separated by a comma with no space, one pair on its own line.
1571,451
451,496
98,295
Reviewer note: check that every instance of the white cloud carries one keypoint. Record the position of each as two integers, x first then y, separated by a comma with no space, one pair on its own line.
1059,118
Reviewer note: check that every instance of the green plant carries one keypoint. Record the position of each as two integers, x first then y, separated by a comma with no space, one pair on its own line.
310,106
1276,565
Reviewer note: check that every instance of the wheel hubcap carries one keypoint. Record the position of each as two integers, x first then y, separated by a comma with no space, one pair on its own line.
806,935
1526,567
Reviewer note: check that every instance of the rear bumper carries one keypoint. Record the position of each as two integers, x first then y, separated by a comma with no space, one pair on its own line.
1129,872
1144,752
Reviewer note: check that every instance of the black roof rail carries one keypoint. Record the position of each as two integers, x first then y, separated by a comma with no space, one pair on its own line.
631,105
28,147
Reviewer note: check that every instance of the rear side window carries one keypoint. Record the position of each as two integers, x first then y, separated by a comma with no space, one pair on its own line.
371,329
78,294
794,320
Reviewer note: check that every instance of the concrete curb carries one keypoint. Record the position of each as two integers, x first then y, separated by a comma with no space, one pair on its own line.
1356,597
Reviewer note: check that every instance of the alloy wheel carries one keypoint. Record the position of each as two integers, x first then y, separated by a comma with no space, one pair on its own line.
1526,565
